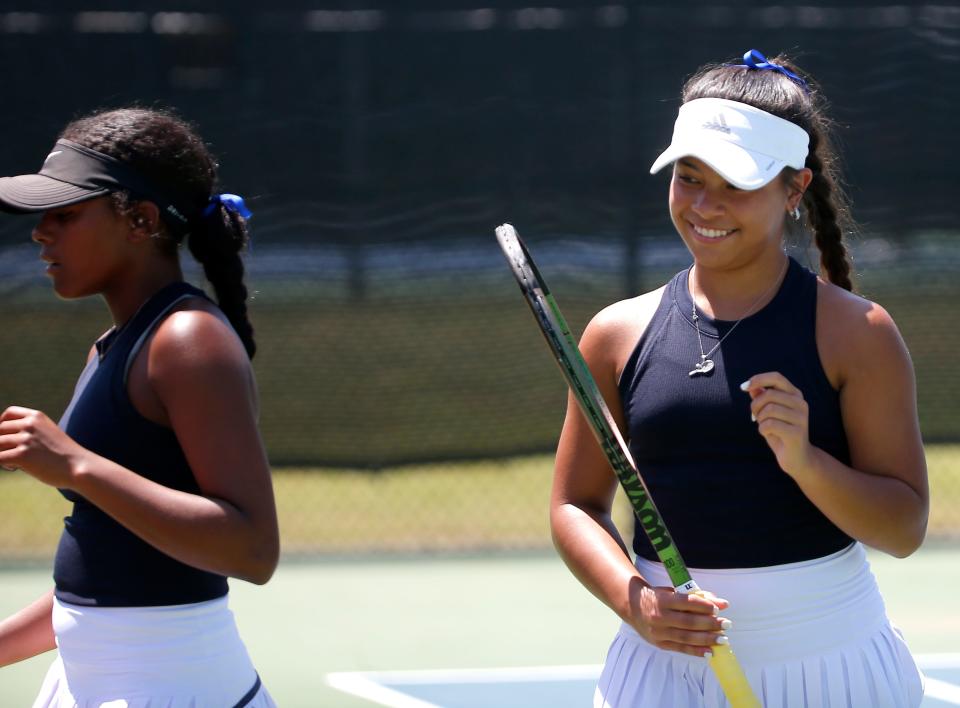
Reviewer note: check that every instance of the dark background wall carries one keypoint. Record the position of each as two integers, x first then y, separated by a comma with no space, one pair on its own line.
380,143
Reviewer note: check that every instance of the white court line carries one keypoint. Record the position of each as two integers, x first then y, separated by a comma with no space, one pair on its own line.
577,672
938,661
936,688
369,684
942,691
359,684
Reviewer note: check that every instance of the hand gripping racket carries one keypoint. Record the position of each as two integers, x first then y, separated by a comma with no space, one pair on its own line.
554,328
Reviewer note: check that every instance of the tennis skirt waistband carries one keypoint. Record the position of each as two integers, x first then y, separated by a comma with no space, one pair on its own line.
778,610
189,652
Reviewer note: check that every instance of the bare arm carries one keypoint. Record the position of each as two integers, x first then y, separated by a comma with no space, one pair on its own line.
204,384
580,510
580,515
882,497
28,632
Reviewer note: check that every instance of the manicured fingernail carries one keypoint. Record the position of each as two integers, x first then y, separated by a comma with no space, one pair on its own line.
725,624
745,386
723,640
708,655
753,417
716,610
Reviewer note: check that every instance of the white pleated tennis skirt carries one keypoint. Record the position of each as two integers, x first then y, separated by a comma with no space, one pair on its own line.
181,656
813,634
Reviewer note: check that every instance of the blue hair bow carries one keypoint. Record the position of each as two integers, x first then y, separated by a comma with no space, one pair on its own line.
755,60
231,202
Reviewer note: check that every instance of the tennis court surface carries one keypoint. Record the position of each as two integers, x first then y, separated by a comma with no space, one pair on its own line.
352,619
552,686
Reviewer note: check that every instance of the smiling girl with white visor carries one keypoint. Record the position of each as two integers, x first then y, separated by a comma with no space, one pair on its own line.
772,413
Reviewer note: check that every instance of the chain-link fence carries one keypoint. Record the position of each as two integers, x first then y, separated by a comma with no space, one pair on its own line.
407,400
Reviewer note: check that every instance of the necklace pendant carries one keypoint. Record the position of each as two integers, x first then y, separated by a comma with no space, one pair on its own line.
702,369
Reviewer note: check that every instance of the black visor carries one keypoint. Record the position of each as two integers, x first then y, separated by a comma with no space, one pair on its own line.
74,173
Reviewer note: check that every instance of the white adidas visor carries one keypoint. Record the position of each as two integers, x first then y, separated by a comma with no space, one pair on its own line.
746,146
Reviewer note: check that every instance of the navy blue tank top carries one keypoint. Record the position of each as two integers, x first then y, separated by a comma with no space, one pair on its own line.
99,562
715,481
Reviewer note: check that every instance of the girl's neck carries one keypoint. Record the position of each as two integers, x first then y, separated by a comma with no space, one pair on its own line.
124,299
732,294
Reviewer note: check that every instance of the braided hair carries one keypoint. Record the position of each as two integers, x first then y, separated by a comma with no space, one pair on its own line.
167,152
826,205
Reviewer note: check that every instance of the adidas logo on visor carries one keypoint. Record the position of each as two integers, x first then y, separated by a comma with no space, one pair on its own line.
717,123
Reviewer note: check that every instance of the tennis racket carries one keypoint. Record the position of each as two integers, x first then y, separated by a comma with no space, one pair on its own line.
564,348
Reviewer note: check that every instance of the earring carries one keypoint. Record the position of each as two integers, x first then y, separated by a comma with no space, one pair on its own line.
796,213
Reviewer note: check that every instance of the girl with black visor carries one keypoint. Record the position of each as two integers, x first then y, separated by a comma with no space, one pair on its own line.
159,449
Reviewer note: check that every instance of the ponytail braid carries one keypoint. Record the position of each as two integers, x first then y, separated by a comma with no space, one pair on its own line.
826,215
216,243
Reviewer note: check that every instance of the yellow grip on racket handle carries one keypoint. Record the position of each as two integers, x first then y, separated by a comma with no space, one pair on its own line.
731,677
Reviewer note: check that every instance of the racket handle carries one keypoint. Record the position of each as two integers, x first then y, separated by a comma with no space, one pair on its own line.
731,677
725,666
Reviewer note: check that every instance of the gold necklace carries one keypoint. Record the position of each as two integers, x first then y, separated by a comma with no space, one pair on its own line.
706,365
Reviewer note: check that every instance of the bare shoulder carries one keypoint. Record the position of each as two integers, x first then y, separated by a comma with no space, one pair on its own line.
613,332
191,360
854,333
196,336
632,314
847,313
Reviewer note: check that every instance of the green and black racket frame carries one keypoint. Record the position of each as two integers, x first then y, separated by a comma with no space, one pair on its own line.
581,382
